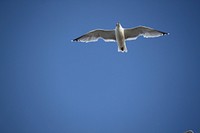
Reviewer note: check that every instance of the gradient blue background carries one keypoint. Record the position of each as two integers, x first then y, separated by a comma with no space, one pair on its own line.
50,85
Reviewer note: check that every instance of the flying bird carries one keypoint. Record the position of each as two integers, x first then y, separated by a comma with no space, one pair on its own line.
120,35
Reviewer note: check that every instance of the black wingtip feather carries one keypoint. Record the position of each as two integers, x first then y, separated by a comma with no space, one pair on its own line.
77,39
165,33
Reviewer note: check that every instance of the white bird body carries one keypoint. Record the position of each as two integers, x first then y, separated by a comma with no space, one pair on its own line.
120,35
120,38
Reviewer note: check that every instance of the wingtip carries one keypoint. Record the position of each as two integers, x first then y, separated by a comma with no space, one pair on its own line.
74,40
77,39
165,33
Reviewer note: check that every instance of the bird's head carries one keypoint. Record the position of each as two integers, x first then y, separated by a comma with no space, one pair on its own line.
118,25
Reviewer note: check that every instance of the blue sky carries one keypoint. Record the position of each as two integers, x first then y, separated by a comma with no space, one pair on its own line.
50,85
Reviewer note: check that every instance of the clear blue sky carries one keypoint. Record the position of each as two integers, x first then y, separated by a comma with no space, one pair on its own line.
50,85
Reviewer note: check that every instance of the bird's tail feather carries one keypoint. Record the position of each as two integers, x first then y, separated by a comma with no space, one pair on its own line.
122,49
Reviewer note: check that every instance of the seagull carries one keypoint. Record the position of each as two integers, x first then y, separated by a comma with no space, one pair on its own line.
120,35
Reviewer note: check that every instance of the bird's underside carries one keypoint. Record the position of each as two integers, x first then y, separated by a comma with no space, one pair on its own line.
120,35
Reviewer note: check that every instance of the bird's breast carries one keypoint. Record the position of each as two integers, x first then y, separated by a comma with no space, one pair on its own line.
119,33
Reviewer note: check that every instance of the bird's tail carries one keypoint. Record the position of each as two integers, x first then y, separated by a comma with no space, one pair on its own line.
122,48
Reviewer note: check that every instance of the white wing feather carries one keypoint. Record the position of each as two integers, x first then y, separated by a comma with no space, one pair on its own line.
94,35
134,33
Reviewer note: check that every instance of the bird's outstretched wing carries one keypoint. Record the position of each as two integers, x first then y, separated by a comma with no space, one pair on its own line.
133,33
94,35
